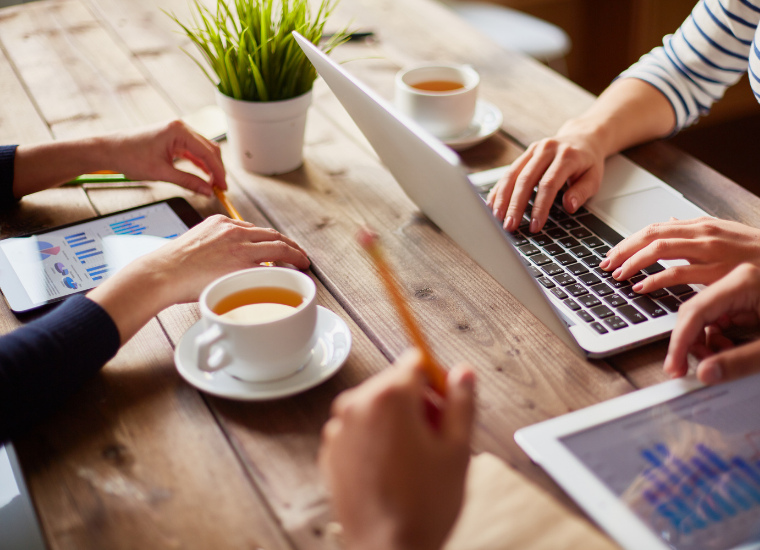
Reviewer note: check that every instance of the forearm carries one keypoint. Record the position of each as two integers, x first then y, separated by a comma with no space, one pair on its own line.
134,296
628,113
46,165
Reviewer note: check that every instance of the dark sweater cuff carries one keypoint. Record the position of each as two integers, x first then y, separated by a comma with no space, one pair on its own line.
82,320
7,163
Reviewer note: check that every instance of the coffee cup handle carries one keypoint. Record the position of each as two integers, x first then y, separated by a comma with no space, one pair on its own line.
203,342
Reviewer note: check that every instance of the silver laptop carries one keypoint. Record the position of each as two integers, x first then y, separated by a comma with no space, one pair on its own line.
554,273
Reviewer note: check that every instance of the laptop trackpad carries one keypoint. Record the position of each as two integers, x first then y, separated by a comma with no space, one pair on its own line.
637,210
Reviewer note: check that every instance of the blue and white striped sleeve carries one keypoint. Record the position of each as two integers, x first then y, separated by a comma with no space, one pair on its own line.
709,52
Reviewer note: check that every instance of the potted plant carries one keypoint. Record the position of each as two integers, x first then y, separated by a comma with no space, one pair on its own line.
263,79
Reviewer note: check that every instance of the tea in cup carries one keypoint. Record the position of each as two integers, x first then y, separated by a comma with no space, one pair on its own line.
440,98
259,323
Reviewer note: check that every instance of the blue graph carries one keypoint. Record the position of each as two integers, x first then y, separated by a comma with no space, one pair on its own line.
95,271
693,494
127,227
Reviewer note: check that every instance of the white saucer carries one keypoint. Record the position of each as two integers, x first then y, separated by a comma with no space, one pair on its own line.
485,123
327,356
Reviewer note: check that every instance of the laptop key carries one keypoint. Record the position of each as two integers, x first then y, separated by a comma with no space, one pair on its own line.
552,269
564,279
549,224
654,268
541,239
615,323
581,233
684,297
564,259
601,311
636,278
600,228
651,308
585,316
589,300
557,233
540,259
559,293
581,210
569,223
618,284
557,213
546,282
592,261
597,326
615,301
576,269
602,273
659,293
568,242
572,304
525,222
602,250
576,290
580,252
629,293
535,272
593,242
632,314
553,249
679,289
517,239
589,279
602,290
529,250
671,302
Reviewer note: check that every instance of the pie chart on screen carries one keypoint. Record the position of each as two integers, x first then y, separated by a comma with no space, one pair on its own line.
47,250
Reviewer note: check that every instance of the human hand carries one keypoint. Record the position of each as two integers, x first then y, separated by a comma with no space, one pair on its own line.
712,247
732,301
574,156
149,155
179,270
397,481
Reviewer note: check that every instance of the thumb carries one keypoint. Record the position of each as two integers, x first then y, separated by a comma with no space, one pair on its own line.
730,364
582,190
186,180
459,411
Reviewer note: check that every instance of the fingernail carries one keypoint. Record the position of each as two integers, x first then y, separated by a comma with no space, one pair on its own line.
573,204
617,272
637,287
508,223
534,225
712,374
604,263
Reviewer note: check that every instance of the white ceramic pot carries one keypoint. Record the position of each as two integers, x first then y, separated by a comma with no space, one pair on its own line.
266,136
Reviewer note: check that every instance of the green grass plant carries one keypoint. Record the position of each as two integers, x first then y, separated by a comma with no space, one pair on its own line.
249,46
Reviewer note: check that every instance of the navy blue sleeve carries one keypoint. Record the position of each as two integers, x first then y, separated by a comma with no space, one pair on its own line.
45,361
7,159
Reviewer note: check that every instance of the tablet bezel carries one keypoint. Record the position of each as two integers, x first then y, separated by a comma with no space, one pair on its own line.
13,291
542,443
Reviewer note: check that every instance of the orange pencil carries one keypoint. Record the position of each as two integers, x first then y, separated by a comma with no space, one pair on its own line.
435,373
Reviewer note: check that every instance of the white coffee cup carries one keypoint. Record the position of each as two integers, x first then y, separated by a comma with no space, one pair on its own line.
257,351
444,114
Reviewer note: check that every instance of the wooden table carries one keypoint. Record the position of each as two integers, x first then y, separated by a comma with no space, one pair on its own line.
139,459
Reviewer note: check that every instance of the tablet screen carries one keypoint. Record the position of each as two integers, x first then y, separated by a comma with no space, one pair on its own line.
67,261
689,468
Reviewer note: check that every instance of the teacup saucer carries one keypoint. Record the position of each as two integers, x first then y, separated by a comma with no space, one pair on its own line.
485,123
327,356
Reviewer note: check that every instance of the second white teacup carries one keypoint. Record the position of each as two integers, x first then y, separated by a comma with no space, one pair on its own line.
440,98
256,341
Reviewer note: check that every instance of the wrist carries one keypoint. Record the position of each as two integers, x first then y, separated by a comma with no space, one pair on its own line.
596,133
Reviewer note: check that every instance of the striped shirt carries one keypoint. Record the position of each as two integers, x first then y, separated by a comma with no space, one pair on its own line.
714,47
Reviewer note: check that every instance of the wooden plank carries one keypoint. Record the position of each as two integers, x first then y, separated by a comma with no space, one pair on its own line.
82,81
135,460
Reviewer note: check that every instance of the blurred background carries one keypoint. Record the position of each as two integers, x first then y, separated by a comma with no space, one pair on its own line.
592,41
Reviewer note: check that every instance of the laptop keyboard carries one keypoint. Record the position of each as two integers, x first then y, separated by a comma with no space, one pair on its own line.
565,256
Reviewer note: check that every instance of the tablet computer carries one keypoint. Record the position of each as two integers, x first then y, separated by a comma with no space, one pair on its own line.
675,466
50,265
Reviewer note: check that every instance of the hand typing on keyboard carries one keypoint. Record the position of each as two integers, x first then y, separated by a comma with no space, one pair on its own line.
712,247
732,301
